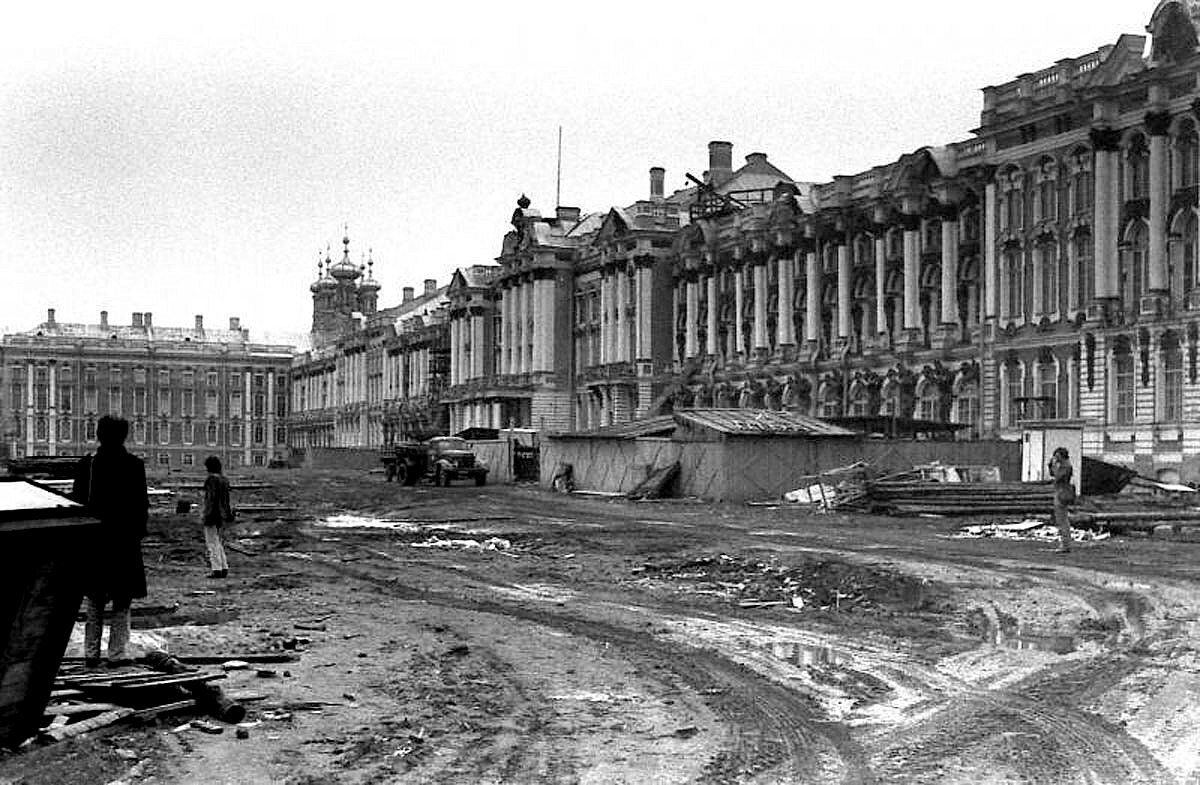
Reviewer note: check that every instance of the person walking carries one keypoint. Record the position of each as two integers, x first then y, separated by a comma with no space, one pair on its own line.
111,484
217,513
1061,474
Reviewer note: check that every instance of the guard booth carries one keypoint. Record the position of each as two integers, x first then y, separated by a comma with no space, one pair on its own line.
1039,440
44,539
526,453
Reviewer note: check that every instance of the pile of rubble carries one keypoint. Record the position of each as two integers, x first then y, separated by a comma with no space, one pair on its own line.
816,585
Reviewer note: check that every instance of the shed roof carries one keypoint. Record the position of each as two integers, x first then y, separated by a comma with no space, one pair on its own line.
758,422
662,425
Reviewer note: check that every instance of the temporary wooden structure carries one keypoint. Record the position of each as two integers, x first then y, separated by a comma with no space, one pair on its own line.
43,537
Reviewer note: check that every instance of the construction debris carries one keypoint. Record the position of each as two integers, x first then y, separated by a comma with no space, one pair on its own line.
657,484
490,544
1030,529
832,489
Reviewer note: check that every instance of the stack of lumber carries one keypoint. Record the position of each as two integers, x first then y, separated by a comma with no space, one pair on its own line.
917,497
84,700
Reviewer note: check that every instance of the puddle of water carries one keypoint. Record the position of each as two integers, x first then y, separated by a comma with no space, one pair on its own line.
365,522
805,655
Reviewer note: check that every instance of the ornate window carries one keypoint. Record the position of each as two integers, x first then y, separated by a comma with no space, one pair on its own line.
1014,287
1123,383
1047,371
966,404
1045,204
928,401
1081,264
1014,390
1172,379
1132,271
1047,252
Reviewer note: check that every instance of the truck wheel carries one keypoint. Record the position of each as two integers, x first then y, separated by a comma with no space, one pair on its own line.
481,479
389,472
402,475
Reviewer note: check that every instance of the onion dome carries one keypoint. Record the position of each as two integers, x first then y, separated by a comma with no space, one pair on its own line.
323,281
345,270
369,283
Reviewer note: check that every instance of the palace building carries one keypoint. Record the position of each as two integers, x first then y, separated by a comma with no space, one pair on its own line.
372,375
188,392
1044,267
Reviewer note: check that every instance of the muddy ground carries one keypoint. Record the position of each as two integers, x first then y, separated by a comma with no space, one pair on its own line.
512,635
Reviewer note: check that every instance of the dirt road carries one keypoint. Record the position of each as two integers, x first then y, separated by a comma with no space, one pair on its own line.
511,635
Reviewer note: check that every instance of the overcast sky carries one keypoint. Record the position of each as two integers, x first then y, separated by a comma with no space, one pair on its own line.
195,163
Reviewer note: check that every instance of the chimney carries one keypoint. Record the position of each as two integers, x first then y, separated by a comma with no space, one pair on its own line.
408,294
49,317
566,214
104,320
756,158
657,173
235,323
137,319
199,322
146,319
720,161
430,285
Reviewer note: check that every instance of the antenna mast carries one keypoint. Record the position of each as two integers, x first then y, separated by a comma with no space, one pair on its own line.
558,173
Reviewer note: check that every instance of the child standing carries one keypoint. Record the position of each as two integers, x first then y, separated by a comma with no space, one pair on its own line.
217,513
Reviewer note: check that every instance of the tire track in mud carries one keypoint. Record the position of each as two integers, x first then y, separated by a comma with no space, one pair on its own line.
776,733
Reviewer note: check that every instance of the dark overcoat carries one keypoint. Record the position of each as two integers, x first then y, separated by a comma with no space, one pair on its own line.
111,484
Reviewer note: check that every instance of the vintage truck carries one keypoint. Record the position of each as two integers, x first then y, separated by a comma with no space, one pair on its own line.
442,458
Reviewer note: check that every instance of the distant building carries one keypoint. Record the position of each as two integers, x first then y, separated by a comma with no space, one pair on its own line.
372,375
188,392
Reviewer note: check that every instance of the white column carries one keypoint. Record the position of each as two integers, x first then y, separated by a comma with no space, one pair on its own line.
710,338
812,321
760,304
247,426
843,284
505,329
622,283
1105,224
1159,195
456,348
912,278
991,282
270,409
691,343
549,327
739,303
949,272
787,327
537,363
880,279
479,357
645,313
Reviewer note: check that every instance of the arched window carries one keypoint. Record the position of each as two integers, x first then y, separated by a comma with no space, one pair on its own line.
966,404
1123,383
1133,265
889,403
1014,289
1081,261
1047,251
1137,169
1048,391
831,401
1186,252
928,401
1014,391
860,401
1172,379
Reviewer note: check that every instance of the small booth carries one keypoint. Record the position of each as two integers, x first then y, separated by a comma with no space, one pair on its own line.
44,537
1039,440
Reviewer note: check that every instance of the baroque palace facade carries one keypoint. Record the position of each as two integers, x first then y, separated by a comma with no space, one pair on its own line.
188,392
372,375
1046,267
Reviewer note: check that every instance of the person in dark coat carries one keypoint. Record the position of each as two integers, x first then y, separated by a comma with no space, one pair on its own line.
1061,474
111,484
217,513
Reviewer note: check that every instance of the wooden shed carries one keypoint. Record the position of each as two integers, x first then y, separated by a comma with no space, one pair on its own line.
43,539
